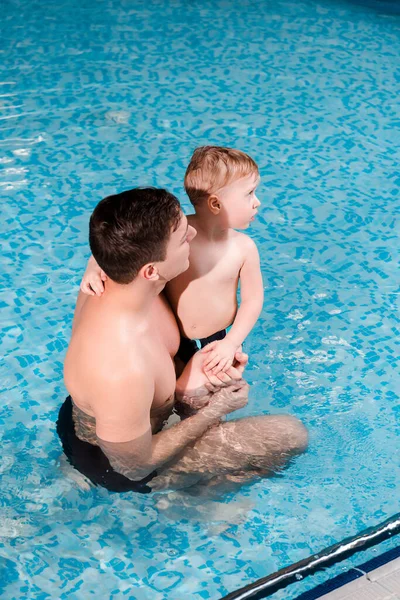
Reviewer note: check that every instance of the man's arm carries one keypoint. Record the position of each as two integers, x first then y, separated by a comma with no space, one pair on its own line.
194,385
123,425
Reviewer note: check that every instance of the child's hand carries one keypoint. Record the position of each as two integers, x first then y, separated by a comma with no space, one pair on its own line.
92,281
220,355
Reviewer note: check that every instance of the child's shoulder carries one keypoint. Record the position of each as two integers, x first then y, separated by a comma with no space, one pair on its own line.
246,248
242,240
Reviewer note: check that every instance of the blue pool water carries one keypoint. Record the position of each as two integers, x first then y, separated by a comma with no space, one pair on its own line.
97,97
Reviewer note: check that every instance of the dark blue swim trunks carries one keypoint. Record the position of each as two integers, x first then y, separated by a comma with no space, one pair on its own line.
188,348
91,461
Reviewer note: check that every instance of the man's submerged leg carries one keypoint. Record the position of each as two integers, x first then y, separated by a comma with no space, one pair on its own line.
237,451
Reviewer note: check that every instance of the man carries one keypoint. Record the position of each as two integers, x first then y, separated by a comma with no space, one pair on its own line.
119,368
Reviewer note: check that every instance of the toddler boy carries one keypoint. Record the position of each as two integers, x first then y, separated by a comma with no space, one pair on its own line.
221,184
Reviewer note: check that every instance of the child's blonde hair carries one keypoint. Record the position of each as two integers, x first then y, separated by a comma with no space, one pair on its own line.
212,168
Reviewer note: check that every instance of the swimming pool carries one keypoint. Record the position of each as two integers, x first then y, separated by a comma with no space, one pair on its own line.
102,96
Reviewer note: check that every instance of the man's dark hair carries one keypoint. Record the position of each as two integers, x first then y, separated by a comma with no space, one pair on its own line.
131,229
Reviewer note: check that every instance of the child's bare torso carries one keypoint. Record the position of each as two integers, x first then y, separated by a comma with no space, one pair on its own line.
204,298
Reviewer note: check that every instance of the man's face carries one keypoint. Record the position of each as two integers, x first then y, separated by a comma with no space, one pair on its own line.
177,259
239,201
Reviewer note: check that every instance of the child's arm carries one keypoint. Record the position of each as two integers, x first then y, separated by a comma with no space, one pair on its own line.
93,278
220,354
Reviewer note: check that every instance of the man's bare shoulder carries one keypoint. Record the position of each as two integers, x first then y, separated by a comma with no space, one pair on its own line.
122,364
102,356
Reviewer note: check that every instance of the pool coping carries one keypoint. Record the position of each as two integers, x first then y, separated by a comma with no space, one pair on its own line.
267,586
351,575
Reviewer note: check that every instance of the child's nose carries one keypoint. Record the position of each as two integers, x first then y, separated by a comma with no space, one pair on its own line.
257,202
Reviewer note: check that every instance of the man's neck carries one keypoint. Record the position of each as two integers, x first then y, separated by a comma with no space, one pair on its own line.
137,296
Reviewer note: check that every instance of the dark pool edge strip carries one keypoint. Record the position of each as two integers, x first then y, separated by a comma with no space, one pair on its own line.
264,587
351,575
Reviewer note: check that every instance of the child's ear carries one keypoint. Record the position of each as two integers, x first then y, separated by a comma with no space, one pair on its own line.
150,272
214,204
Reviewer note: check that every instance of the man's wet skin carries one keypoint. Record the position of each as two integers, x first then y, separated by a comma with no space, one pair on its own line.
234,451
119,371
85,425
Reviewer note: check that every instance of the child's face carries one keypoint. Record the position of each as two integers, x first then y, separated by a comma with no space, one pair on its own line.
239,202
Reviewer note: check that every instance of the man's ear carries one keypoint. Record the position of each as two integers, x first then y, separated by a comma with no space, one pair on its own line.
150,272
214,204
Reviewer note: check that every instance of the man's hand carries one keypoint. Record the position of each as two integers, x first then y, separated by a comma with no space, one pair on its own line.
93,279
219,356
228,399
234,373
193,377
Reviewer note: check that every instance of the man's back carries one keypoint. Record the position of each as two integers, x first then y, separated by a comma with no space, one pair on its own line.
110,343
